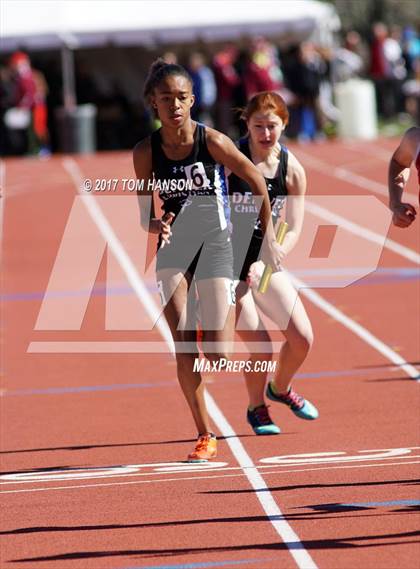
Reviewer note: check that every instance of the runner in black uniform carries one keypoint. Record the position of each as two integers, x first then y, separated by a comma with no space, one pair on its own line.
244,208
200,237
193,240
266,116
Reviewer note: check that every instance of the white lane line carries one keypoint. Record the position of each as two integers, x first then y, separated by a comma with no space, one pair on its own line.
199,478
356,328
181,468
361,231
120,253
368,150
349,176
274,514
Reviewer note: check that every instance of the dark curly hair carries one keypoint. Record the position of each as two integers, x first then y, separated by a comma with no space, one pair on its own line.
159,70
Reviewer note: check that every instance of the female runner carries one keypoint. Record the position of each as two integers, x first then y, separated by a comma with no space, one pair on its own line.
193,235
266,116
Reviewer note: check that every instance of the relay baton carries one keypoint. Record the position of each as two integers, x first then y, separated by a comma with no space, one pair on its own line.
268,271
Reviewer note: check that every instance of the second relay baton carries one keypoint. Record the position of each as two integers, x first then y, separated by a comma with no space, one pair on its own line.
268,271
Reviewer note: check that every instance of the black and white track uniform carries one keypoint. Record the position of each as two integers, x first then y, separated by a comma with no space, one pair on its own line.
195,190
247,235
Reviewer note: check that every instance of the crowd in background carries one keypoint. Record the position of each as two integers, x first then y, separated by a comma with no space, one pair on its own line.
224,80
23,108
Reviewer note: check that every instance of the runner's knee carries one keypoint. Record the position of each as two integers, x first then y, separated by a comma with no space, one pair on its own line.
302,344
185,362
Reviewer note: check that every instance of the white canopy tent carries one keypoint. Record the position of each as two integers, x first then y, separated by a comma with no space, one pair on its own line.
46,24
68,25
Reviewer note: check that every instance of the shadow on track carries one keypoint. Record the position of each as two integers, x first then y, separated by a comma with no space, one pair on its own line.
312,544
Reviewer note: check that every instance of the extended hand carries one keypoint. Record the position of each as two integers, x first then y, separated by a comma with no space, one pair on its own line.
273,254
163,226
403,214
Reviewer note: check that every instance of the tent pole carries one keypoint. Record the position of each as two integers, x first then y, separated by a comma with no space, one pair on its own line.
69,91
68,74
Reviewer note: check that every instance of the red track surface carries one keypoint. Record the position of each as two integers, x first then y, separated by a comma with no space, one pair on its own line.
116,409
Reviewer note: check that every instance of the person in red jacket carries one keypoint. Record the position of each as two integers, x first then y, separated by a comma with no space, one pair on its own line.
23,101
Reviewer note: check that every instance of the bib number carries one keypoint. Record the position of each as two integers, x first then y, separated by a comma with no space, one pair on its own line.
197,174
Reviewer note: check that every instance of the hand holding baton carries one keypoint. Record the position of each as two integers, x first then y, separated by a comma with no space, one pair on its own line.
268,271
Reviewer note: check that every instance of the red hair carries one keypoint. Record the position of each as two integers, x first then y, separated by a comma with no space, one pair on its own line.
266,101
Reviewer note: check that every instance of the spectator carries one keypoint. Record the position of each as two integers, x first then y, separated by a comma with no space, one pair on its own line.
303,74
40,114
387,69
204,88
227,80
350,59
19,117
394,55
353,43
255,77
259,70
411,92
6,102
264,54
410,49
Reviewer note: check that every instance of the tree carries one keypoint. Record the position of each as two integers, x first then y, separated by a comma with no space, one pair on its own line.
359,15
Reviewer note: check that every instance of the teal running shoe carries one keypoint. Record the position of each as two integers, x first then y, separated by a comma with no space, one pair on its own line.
300,406
261,422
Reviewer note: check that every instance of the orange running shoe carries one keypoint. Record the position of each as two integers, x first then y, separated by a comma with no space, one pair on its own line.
205,449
